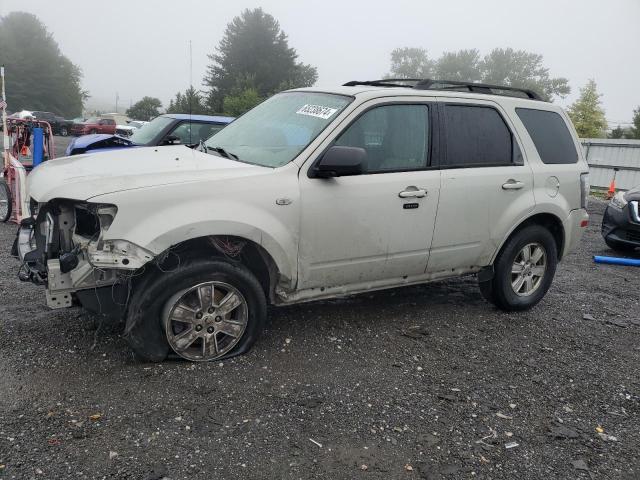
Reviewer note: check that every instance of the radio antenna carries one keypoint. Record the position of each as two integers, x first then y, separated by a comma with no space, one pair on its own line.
190,91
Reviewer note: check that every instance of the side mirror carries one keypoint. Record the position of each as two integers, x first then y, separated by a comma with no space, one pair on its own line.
172,140
340,162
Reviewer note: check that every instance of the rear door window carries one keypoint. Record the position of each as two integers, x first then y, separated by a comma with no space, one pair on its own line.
476,136
550,135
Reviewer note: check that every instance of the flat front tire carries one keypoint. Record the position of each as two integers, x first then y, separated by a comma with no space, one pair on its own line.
202,311
523,270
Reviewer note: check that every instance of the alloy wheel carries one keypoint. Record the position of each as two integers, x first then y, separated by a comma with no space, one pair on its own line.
528,269
206,321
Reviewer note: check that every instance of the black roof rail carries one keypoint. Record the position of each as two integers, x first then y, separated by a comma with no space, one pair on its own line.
430,84
385,82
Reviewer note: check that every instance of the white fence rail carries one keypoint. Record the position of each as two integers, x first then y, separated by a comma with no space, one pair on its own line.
609,157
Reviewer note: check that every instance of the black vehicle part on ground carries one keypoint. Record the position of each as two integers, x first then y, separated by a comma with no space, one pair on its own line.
499,291
620,230
144,330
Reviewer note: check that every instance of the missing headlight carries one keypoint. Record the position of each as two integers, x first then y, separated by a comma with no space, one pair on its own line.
87,223
91,219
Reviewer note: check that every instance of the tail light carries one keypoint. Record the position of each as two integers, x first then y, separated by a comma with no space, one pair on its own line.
584,190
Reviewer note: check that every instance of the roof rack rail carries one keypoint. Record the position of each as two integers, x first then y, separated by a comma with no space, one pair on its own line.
430,84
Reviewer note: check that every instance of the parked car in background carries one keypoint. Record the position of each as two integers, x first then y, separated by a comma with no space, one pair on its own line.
22,114
128,129
119,118
94,125
168,129
313,194
59,125
621,221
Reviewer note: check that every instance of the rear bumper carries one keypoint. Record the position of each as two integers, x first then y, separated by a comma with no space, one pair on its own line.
618,226
574,227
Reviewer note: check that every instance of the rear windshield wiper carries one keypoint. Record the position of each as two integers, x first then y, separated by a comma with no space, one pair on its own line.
222,152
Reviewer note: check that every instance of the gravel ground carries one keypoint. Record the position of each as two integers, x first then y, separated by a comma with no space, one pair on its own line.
420,382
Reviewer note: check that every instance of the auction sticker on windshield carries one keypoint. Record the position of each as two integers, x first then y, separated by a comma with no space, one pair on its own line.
317,111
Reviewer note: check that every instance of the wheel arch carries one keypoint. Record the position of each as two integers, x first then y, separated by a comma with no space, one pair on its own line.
545,219
234,248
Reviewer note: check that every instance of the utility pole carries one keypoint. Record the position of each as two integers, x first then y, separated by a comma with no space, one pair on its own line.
117,98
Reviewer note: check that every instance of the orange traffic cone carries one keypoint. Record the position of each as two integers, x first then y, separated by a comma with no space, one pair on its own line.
612,189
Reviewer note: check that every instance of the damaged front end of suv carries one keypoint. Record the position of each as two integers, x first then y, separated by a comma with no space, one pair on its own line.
62,246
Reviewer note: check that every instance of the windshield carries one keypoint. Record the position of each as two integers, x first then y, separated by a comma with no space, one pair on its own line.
149,131
92,120
277,130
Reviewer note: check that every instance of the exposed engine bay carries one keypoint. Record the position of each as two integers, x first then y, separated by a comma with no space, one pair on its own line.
62,246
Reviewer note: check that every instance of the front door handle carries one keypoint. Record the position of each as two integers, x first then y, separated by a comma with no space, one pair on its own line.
512,185
411,192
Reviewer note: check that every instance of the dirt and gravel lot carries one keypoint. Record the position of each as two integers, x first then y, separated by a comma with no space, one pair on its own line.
420,382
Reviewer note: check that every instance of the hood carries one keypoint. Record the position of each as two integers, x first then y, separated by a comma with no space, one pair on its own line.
82,177
96,141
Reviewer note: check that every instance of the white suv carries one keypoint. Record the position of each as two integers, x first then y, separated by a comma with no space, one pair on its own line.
312,194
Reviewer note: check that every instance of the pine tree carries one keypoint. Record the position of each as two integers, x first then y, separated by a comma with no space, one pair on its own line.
587,114
254,47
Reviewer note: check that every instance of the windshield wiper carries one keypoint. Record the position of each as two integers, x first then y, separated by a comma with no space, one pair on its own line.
222,152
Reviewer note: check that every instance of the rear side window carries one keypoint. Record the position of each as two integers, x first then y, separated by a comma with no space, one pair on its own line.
550,135
476,137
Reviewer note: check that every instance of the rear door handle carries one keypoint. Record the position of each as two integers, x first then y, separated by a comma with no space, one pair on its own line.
512,185
413,192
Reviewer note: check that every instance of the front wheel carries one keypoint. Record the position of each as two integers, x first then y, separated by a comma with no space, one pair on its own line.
93,131
64,131
523,270
202,311
5,202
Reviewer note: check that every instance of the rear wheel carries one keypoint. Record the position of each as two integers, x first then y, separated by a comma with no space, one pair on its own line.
5,202
523,270
64,131
202,311
93,131
619,247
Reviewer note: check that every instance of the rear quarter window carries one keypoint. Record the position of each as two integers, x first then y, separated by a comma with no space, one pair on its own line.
550,135
476,136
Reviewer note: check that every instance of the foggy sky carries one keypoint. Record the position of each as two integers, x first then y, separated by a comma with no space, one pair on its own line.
140,47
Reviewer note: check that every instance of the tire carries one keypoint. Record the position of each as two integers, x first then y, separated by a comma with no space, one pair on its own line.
64,131
619,247
93,131
153,333
5,202
512,271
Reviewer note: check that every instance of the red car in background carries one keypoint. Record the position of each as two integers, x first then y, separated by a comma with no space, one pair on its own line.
94,125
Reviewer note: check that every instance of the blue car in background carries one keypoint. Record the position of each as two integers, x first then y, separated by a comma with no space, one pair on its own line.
167,129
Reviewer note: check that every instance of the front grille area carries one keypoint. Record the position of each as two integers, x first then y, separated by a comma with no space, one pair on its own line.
632,235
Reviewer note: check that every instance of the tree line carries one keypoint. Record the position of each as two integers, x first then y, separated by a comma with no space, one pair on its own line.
254,60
